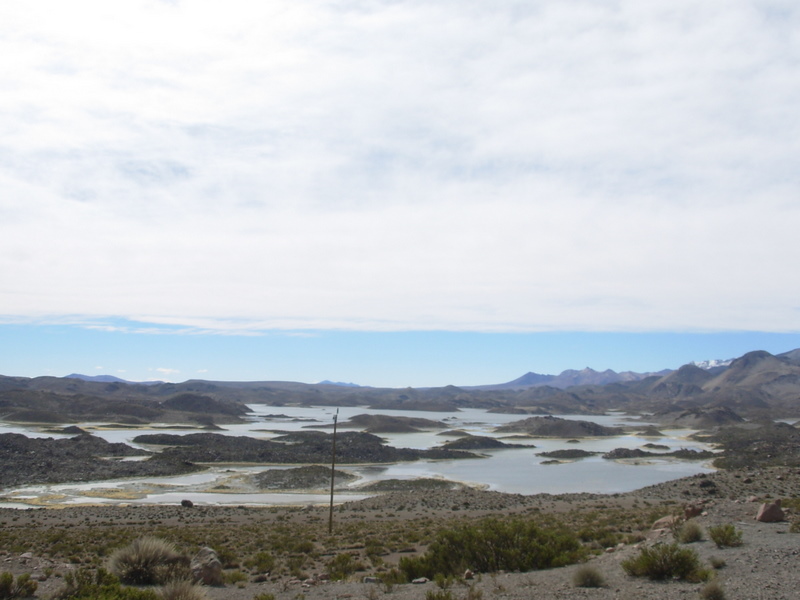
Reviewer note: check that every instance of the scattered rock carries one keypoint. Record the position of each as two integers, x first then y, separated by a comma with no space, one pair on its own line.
665,523
692,510
206,567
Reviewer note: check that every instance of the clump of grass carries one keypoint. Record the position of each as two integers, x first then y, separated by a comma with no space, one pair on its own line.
21,587
689,532
586,576
717,562
183,589
149,561
439,595
712,591
665,561
233,576
725,536
444,582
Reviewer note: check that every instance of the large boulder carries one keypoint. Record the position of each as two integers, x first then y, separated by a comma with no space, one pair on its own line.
665,523
770,512
206,567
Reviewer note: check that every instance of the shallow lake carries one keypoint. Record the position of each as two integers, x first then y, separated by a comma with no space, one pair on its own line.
507,470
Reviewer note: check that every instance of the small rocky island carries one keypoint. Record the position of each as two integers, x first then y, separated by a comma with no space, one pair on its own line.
560,428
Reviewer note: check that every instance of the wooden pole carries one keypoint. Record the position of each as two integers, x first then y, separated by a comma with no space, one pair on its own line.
333,470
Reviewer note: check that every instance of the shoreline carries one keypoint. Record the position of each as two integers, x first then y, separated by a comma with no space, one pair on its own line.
236,484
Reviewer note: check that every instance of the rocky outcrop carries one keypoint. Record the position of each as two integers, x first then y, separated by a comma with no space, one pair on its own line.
403,485
199,403
568,453
480,442
295,448
557,427
301,478
702,418
25,460
683,453
391,424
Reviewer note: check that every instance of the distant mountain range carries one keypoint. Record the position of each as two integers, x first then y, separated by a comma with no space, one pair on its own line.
757,385
108,379
562,381
569,378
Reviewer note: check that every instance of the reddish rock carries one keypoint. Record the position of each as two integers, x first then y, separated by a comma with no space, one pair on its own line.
692,510
770,512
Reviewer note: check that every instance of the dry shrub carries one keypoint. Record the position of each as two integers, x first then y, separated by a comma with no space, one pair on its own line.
183,589
149,561
712,591
587,577
689,532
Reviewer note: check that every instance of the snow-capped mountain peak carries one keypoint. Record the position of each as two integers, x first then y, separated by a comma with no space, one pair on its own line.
713,363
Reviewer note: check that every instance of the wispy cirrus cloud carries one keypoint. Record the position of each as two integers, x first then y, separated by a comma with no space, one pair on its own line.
401,165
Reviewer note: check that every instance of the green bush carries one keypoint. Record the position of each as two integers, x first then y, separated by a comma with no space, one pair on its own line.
85,584
22,587
262,562
391,578
493,545
342,566
689,532
230,577
149,561
725,536
586,576
183,590
664,561
439,595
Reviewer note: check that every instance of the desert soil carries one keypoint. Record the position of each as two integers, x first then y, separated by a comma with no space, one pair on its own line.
766,566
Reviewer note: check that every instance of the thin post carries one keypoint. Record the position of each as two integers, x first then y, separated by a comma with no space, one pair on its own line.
333,469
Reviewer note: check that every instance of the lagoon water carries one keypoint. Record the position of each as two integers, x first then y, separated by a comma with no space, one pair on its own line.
508,470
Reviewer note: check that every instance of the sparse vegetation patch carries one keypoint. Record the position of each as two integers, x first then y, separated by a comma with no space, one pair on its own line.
493,545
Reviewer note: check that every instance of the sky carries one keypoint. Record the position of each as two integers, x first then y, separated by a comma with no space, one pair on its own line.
396,192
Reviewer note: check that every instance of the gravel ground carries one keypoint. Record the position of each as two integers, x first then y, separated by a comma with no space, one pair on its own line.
766,566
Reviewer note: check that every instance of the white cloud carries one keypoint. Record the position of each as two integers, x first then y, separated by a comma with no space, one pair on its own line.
166,372
396,165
